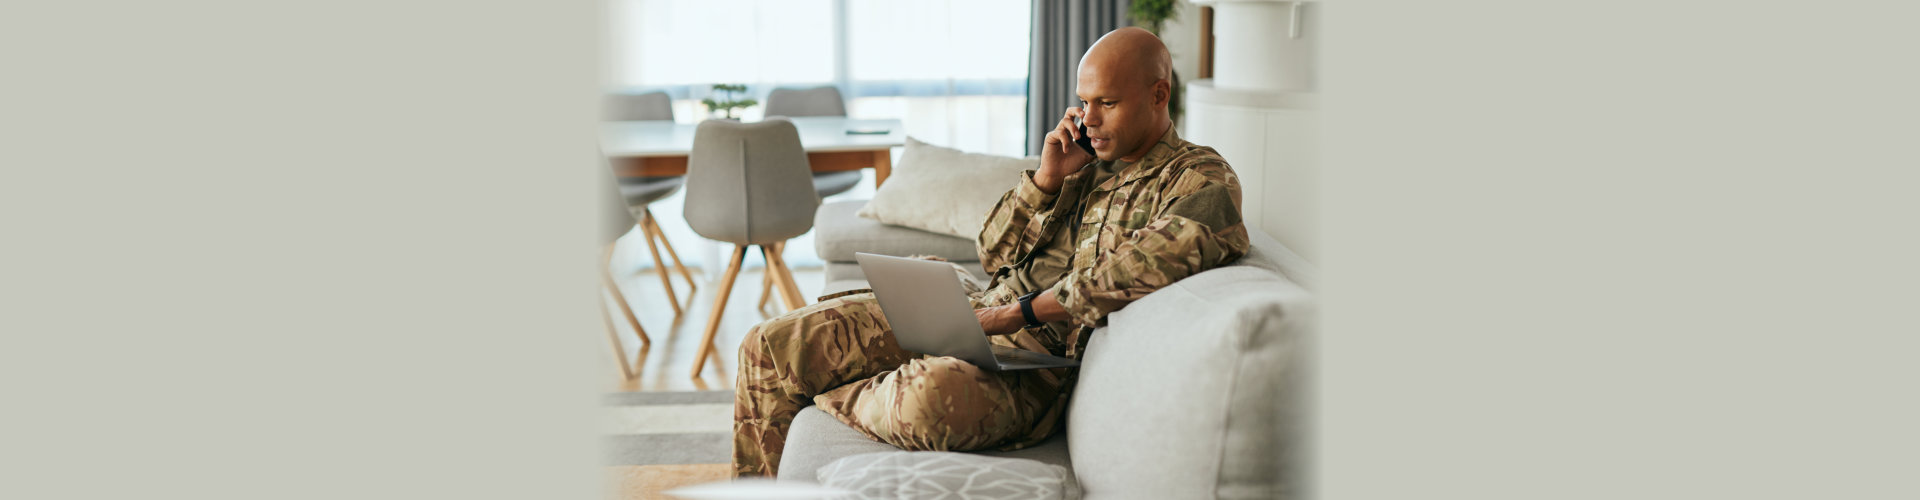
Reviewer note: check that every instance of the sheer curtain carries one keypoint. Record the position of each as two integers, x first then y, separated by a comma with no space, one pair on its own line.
954,72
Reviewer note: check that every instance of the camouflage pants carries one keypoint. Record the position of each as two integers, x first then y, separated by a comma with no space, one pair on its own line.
840,354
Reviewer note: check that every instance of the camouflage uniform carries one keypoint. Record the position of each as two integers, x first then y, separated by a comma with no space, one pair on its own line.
1172,214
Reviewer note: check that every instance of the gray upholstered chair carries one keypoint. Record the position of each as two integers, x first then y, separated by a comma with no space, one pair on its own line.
616,219
818,101
635,107
747,184
641,191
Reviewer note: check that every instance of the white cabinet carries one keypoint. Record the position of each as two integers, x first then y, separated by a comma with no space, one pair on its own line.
1260,111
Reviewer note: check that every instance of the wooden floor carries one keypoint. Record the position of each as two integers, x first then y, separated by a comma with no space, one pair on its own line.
668,363
647,482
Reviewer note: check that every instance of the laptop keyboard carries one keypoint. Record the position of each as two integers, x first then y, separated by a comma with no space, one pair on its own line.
1011,354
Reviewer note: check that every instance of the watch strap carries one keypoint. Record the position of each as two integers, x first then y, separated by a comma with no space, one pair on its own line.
1026,310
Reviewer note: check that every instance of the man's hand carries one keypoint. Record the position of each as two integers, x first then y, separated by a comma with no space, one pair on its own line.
1002,320
1060,157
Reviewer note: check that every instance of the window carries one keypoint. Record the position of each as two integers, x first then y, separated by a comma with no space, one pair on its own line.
937,40
680,43
954,71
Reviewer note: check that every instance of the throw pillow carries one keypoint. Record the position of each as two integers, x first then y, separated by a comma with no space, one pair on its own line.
941,474
944,190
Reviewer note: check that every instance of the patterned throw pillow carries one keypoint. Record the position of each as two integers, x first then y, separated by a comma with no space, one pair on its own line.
945,475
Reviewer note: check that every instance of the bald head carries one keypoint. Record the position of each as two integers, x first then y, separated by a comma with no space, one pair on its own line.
1126,80
1129,55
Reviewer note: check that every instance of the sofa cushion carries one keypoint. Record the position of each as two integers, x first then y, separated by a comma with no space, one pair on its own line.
939,474
945,190
850,272
1190,392
1267,253
837,286
838,234
816,439
845,271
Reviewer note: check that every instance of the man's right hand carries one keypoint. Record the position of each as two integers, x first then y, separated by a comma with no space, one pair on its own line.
1060,157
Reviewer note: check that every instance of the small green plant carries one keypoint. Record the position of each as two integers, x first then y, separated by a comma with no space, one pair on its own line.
1153,14
729,104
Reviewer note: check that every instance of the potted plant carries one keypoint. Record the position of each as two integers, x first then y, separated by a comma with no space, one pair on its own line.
1153,14
724,108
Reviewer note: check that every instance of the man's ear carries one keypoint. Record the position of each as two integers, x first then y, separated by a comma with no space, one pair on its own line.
1162,92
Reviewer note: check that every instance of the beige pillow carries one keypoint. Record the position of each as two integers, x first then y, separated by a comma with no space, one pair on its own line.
944,190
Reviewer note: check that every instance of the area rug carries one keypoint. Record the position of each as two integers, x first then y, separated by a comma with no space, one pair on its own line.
657,441
668,428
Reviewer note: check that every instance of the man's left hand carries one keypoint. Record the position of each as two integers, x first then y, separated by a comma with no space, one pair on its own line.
1000,320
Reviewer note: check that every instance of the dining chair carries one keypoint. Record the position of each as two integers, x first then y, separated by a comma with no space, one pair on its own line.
643,191
640,192
747,185
633,107
816,101
616,220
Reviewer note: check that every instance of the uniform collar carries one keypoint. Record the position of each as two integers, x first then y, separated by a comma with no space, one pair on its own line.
1155,159
1149,164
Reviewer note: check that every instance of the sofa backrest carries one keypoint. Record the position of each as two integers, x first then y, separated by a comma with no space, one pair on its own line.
1267,253
1195,391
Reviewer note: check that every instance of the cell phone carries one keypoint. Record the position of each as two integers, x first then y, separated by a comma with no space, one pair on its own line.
1086,143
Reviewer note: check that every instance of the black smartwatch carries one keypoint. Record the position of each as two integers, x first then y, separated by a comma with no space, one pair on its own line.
1026,310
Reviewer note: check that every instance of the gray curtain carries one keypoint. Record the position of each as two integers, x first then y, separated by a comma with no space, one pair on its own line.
1062,30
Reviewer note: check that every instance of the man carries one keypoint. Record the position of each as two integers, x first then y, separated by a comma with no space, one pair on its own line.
1077,239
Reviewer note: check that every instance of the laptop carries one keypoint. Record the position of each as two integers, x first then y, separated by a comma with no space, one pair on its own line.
930,314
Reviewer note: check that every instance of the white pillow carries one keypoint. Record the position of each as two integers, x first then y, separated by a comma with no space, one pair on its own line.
944,190
941,474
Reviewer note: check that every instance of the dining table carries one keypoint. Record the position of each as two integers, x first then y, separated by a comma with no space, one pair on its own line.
658,148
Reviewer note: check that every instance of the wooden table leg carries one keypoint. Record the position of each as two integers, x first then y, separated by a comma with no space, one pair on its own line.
882,166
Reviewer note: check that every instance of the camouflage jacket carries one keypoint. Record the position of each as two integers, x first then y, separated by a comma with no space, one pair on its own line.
1173,214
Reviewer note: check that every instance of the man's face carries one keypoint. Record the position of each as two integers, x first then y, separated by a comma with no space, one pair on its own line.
1118,111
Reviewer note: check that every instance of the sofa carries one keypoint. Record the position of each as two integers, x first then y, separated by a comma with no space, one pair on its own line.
1195,391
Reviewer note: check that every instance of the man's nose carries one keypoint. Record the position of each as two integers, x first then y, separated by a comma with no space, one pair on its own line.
1090,117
